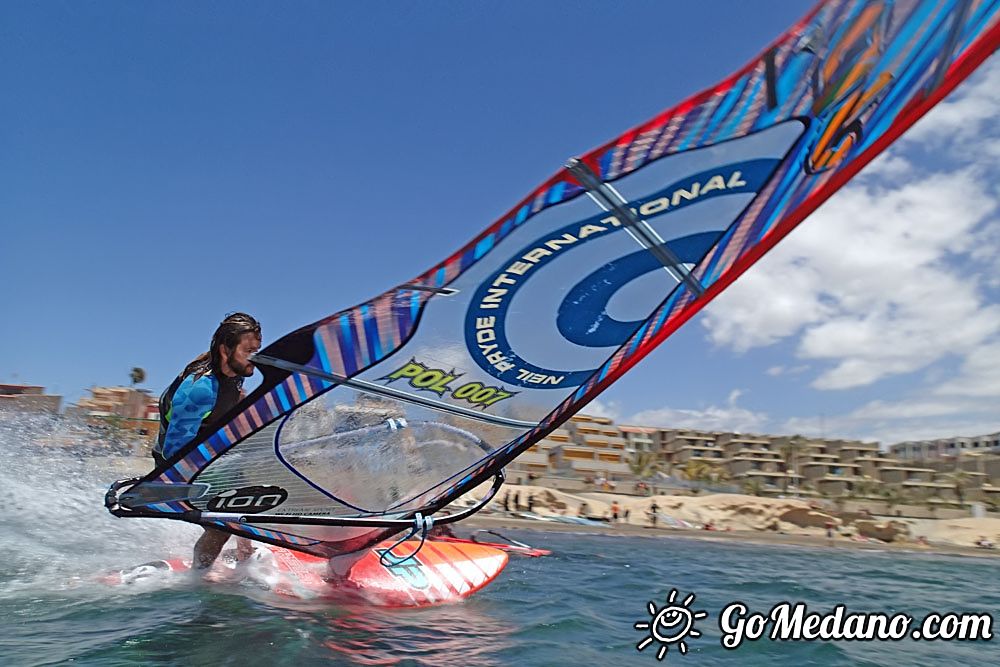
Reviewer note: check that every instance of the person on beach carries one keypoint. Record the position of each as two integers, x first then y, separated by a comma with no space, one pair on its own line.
615,510
206,389
441,530
653,509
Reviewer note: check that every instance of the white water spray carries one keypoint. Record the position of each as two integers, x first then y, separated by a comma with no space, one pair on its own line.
54,529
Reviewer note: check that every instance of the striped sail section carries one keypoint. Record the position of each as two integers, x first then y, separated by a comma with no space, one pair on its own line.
356,339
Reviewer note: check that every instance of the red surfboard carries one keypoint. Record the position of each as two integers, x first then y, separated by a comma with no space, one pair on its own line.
438,573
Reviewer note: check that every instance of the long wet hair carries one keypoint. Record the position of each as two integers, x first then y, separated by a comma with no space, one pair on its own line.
229,333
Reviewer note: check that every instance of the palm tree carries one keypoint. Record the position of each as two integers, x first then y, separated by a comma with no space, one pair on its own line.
138,375
716,472
692,470
865,487
787,451
753,487
697,472
644,464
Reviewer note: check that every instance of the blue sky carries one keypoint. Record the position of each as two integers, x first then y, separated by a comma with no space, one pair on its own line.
166,163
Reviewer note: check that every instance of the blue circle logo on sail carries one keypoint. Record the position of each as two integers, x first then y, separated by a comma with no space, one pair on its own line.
582,316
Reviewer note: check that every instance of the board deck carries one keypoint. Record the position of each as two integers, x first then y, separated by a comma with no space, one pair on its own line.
439,573
519,549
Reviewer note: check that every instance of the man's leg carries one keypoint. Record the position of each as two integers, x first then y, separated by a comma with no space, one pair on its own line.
208,547
244,548
339,567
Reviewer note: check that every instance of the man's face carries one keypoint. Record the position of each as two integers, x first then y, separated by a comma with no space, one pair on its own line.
237,363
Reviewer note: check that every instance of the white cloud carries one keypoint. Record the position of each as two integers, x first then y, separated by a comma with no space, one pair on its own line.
729,417
918,418
886,277
965,115
777,371
990,148
896,274
887,165
979,377
611,410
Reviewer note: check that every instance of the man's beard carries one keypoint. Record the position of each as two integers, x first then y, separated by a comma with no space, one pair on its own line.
243,370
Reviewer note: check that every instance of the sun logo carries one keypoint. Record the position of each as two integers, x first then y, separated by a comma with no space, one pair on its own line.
670,625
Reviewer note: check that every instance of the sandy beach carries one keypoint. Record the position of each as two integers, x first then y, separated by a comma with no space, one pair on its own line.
773,521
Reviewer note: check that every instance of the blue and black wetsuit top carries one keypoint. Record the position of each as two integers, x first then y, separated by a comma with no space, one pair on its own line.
187,407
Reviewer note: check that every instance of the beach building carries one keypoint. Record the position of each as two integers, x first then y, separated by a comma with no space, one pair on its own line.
755,458
872,466
811,450
128,408
585,446
640,438
851,451
953,469
945,447
984,462
545,456
597,447
833,478
589,447
124,402
28,398
678,447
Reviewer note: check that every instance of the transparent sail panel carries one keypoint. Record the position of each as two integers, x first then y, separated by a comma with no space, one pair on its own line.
350,453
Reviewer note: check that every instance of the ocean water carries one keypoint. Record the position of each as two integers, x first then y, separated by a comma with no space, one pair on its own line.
576,607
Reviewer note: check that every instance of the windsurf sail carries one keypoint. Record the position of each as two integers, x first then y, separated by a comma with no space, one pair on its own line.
386,412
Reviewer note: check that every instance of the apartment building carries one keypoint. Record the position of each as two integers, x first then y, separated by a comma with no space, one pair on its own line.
28,398
595,446
945,447
134,409
125,402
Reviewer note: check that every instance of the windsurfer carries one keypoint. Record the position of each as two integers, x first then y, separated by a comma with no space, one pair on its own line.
206,389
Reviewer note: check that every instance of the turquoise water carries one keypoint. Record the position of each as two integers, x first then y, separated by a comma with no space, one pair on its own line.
577,607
